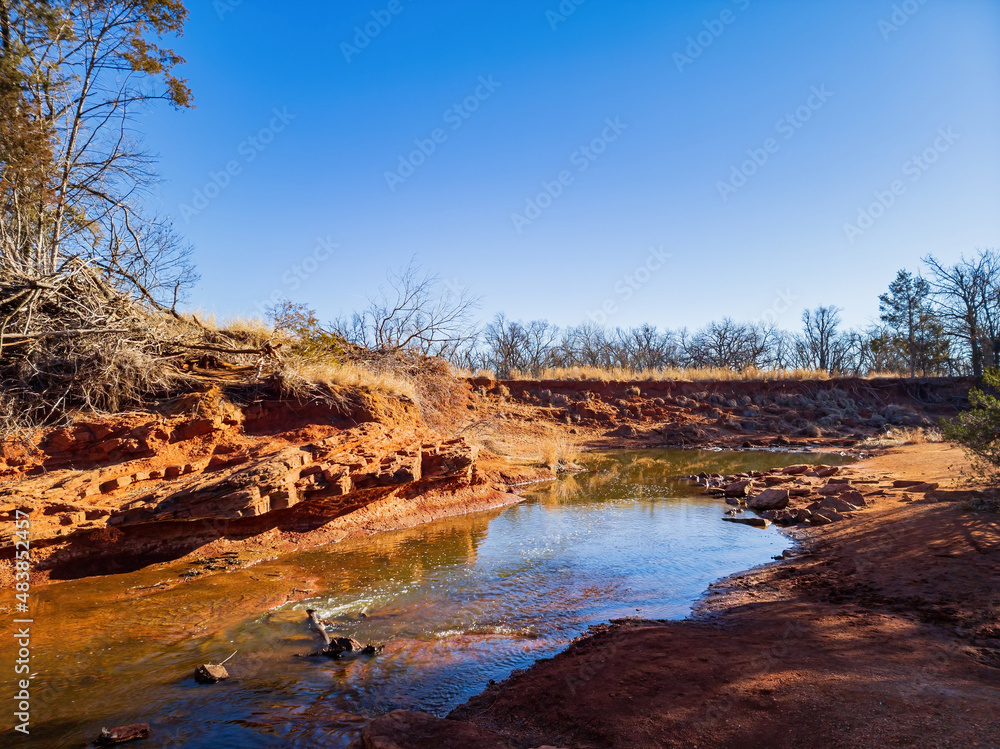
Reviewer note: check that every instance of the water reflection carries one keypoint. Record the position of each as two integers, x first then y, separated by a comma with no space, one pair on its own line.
457,602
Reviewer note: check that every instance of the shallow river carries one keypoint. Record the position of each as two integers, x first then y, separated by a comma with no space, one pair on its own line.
457,602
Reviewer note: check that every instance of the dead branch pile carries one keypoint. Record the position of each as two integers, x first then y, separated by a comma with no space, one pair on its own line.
70,341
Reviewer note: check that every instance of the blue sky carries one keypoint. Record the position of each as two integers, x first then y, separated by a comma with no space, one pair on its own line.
823,109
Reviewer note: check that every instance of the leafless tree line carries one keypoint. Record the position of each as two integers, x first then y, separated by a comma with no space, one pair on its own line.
947,323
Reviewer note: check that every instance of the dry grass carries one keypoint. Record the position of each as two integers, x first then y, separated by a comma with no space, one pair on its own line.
706,374
898,436
348,375
72,343
556,453
249,327
620,374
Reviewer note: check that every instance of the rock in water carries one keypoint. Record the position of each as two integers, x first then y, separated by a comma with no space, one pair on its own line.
769,499
738,488
122,734
209,674
755,522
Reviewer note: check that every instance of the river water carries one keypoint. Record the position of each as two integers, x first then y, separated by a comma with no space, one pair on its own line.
457,602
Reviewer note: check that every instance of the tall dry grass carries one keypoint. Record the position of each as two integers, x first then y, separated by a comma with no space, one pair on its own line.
348,375
678,374
898,436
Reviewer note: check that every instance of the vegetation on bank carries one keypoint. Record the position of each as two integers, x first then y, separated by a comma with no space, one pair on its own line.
945,324
92,279
978,430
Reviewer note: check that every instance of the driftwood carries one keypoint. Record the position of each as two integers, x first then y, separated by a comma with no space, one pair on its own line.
339,647
122,734
318,626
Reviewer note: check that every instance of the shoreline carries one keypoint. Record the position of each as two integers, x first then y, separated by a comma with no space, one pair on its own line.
830,646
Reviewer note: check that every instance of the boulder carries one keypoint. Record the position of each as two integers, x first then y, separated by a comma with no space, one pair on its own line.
836,504
826,471
405,729
781,517
833,489
825,517
738,488
769,499
856,498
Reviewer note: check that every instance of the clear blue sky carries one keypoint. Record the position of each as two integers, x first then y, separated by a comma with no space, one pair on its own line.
886,93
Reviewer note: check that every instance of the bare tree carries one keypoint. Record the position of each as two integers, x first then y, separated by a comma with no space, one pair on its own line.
585,345
731,345
817,346
519,347
413,311
77,74
645,347
962,292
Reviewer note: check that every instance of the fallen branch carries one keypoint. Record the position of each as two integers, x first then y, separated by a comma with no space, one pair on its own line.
61,333
314,620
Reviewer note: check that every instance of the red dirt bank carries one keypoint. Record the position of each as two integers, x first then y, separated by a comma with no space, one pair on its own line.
881,631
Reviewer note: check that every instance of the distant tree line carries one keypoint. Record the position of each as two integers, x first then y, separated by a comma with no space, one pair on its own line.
945,321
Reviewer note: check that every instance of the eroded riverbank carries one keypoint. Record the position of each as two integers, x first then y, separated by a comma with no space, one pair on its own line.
457,602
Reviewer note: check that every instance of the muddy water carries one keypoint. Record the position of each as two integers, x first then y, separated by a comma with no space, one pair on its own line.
457,602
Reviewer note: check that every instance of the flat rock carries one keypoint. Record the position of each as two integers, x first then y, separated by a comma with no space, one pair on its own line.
405,729
769,499
754,521
797,470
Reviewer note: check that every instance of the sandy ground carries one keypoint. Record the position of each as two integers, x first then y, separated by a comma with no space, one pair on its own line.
881,631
